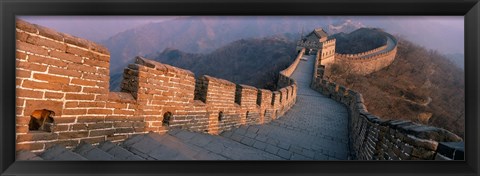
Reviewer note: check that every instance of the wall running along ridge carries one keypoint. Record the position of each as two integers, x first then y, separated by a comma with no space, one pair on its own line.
372,138
70,76
363,64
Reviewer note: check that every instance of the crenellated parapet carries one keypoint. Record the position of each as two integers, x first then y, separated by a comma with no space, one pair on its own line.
373,138
68,77
372,60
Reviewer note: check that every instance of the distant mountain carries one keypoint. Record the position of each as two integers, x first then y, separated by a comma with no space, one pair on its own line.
203,34
254,61
345,26
457,58
360,40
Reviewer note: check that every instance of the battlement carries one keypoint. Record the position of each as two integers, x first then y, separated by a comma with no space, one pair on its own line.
372,60
70,76
372,138
361,55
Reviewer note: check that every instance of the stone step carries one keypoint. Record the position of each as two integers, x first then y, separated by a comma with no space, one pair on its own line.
118,152
59,152
222,148
27,155
154,146
91,152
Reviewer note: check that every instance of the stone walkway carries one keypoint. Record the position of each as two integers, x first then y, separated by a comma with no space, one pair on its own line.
315,128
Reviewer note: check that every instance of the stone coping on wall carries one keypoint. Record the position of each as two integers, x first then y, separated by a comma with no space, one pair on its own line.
58,36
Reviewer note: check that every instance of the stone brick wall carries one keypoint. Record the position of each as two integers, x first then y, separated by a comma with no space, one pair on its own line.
372,138
363,64
70,77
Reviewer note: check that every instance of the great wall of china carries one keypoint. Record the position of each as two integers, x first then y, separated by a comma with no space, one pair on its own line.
70,77
372,60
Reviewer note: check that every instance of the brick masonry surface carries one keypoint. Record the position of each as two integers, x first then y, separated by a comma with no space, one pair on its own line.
70,77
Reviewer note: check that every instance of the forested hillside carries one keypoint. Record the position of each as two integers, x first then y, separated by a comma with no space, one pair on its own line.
420,85
255,61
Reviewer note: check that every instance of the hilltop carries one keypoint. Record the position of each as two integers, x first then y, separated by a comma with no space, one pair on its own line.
358,41
420,85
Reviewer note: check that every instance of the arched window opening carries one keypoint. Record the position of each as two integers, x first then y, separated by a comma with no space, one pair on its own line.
220,116
248,113
41,120
166,119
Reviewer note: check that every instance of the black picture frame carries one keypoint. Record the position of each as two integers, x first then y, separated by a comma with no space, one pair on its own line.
468,8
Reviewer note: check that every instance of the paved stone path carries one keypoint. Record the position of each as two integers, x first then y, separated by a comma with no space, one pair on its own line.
315,128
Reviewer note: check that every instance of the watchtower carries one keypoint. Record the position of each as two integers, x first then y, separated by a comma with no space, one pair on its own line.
317,42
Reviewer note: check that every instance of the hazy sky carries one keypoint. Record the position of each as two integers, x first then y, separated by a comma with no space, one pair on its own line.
443,33
96,28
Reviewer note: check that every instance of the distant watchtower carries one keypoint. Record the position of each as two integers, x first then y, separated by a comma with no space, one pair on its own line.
317,42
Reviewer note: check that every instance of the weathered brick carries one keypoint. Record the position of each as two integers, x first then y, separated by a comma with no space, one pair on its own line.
37,136
99,111
45,60
73,96
96,63
79,52
87,119
94,140
62,120
117,137
122,124
124,112
74,111
31,48
64,72
94,76
95,90
77,127
47,43
29,93
101,97
83,82
71,88
49,33
20,55
99,126
22,36
58,128
21,129
124,130
54,95
72,134
23,73
115,118
51,78
103,71
32,105
91,104
65,56
30,146
25,26
116,105
31,66
41,85
108,132
66,143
